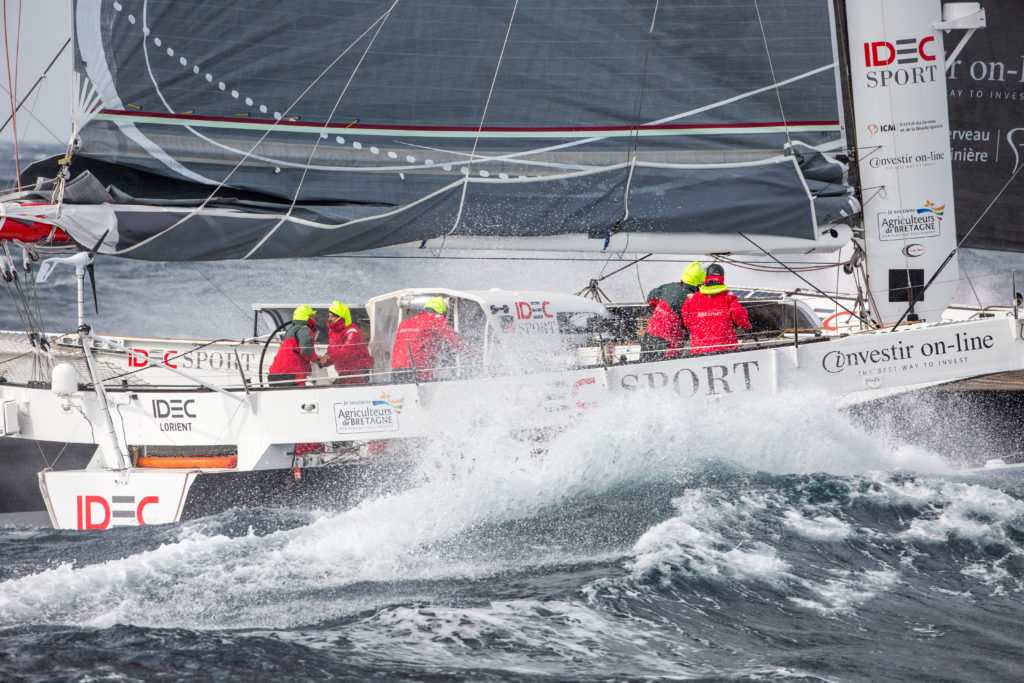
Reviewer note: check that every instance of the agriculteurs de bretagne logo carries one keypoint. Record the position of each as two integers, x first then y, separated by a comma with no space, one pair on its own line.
930,207
385,399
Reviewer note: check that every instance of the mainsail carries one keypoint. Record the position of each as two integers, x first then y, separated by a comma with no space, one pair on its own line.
266,130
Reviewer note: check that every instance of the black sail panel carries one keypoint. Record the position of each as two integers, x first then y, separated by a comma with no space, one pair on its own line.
369,124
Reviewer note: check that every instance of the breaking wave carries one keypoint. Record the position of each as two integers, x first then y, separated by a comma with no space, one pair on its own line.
649,540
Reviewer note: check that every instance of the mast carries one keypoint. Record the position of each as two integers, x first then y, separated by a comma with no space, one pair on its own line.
901,129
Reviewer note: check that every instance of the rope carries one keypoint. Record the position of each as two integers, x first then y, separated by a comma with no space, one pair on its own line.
480,126
316,145
258,142
990,205
634,136
771,67
32,89
808,282
14,120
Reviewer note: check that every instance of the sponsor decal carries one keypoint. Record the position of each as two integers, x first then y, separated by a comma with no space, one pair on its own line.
913,250
899,224
906,160
172,412
834,321
906,61
908,356
577,385
526,310
368,415
874,128
1014,145
97,512
533,318
707,380
193,360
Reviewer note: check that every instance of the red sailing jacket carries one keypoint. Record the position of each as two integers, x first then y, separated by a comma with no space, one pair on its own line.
296,351
347,351
426,335
710,319
666,301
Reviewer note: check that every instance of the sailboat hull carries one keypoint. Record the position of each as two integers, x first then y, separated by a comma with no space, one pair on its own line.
263,426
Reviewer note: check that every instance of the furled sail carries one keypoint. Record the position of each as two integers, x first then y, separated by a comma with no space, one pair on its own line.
266,129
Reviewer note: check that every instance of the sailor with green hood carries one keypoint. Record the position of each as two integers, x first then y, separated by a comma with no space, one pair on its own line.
665,335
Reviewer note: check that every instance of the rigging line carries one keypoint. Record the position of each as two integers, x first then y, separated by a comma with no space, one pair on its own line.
223,293
316,145
771,67
920,293
633,142
480,127
628,265
34,117
970,283
14,120
765,268
808,282
290,107
990,205
17,49
195,211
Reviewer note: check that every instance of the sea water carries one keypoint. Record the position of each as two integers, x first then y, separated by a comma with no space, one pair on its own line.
653,540
650,538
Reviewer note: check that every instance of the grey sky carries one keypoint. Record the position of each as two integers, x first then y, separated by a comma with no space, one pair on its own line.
45,25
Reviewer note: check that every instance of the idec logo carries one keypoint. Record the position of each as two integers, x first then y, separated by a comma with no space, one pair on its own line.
533,310
96,512
139,358
880,55
174,408
905,51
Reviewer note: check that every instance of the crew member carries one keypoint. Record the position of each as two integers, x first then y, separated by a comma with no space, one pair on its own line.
346,347
711,314
422,340
665,336
296,354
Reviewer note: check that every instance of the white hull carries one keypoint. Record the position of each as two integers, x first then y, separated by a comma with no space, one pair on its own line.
264,425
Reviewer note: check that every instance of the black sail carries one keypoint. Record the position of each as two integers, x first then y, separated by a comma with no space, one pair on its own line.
266,129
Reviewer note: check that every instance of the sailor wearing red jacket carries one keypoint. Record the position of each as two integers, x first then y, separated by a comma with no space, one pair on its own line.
665,334
711,314
346,348
296,354
421,340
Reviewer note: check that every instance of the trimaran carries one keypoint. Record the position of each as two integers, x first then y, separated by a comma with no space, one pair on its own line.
259,131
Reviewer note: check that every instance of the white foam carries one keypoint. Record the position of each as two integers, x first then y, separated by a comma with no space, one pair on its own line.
820,528
477,476
848,590
525,637
690,543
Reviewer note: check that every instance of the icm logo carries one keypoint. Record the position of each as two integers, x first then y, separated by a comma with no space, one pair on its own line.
913,250
905,62
884,128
